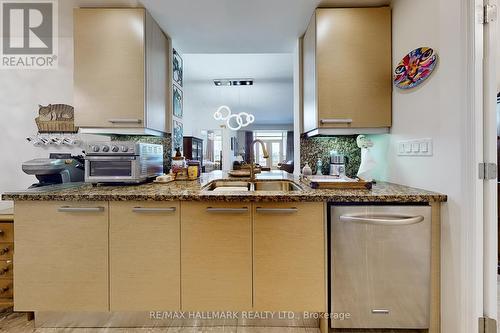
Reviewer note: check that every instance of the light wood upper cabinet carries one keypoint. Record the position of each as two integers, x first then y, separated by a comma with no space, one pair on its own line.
289,257
347,69
216,256
121,69
61,257
144,247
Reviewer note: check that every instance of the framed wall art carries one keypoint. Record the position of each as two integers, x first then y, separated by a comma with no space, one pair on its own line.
177,68
415,68
177,101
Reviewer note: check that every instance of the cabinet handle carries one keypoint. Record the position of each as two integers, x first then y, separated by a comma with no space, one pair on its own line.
125,121
336,121
4,251
4,270
4,289
382,219
227,210
277,210
68,209
153,209
380,311
1,232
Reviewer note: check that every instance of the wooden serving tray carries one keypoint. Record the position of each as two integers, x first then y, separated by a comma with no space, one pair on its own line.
332,182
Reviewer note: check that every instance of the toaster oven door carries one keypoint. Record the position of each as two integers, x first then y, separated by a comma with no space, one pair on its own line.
111,169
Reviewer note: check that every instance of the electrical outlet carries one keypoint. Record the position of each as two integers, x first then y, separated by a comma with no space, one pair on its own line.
417,147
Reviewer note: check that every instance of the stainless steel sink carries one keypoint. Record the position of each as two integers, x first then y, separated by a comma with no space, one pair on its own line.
228,186
282,185
258,186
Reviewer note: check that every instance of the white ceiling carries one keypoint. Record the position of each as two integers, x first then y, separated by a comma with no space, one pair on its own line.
257,66
233,26
270,99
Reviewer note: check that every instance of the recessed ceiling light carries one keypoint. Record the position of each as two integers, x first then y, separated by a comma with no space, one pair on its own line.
233,82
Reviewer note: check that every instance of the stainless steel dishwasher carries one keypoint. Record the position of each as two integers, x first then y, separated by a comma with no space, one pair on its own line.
380,266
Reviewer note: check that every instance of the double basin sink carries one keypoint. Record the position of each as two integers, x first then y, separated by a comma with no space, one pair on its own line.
256,186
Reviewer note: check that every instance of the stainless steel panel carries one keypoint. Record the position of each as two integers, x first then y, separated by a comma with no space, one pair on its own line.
381,257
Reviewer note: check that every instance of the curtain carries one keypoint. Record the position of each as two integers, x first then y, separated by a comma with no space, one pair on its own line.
248,143
289,146
210,147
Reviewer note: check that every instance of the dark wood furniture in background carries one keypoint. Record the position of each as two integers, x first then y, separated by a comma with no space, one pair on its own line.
6,258
193,149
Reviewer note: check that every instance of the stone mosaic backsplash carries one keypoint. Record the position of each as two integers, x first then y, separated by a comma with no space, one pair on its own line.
312,149
166,141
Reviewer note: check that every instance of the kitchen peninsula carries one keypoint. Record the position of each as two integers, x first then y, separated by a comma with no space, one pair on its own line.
183,246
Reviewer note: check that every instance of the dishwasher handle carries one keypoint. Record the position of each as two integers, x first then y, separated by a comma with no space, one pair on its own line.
382,219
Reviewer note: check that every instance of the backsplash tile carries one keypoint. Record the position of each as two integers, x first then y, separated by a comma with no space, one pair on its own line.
312,149
166,141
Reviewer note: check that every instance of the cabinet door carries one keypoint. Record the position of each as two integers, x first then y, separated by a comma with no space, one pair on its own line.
109,68
353,67
144,251
61,257
216,256
157,76
289,257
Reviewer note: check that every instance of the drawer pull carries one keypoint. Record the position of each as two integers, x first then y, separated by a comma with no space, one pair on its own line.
125,121
153,210
336,121
4,251
382,219
68,209
1,232
3,290
227,210
277,210
380,311
4,270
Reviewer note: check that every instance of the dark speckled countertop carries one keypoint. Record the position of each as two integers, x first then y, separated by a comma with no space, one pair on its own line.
193,191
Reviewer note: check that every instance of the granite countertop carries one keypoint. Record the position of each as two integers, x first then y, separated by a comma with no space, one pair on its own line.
193,191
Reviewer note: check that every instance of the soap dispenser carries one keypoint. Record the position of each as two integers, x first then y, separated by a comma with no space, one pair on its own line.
319,167
306,170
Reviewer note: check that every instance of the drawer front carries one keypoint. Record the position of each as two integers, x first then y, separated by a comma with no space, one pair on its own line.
6,232
216,256
6,289
6,269
6,251
289,241
61,256
144,247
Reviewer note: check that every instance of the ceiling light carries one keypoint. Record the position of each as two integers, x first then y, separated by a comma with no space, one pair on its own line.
233,82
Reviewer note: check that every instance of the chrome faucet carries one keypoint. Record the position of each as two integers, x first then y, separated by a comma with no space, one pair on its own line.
252,156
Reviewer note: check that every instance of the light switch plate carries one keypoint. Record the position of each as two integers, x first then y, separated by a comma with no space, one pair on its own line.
417,147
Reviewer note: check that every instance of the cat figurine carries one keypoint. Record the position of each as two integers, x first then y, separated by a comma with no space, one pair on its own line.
53,112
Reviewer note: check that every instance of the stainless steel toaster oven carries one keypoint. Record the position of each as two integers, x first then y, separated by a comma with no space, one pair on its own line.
122,162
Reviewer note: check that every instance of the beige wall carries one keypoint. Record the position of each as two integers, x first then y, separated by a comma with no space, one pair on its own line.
437,110
20,93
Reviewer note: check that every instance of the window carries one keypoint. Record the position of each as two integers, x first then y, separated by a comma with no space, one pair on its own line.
275,142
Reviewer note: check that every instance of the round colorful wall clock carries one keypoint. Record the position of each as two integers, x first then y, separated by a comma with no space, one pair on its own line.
415,68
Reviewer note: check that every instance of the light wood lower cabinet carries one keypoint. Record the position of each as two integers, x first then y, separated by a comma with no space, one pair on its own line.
61,256
289,257
216,256
143,256
144,247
